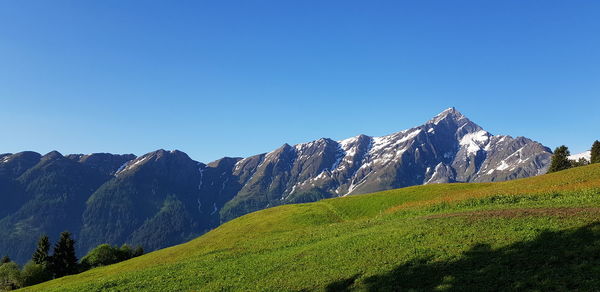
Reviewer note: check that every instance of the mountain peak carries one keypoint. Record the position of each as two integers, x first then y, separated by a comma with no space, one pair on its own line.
52,155
160,155
450,113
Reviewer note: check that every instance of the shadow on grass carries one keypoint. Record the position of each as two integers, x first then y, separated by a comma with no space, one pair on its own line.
553,261
342,285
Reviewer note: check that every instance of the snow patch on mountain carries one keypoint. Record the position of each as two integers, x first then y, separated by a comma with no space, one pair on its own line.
475,141
587,155
6,159
503,165
134,163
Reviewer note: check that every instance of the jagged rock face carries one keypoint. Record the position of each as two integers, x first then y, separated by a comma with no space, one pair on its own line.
448,148
165,198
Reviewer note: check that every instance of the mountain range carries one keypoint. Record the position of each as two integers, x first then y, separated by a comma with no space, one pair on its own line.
164,197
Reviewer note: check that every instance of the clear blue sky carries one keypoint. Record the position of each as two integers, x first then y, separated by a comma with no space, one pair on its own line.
236,78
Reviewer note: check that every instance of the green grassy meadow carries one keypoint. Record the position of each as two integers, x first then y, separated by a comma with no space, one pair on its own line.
537,234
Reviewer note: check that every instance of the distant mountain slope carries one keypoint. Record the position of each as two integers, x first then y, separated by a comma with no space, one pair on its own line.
49,197
165,198
539,233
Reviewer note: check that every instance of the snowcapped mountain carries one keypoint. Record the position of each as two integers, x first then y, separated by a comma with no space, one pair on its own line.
447,148
587,155
164,197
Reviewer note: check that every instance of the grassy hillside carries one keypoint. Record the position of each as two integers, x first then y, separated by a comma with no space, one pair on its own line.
540,233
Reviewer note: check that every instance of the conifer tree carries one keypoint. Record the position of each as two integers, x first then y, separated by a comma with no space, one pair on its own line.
40,256
5,260
64,260
595,152
560,159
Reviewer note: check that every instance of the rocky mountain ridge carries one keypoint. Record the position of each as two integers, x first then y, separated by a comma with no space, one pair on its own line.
164,197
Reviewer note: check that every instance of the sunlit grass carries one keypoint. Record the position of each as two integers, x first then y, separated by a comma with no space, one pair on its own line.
376,240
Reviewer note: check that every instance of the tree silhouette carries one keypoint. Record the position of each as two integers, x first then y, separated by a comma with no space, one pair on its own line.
595,158
560,159
40,256
64,260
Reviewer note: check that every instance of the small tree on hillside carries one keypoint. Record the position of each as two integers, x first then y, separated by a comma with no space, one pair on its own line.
33,273
125,252
5,260
102,255
560,159
40,256
106,254
138,251
64,260
10,276
581,162
595,152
